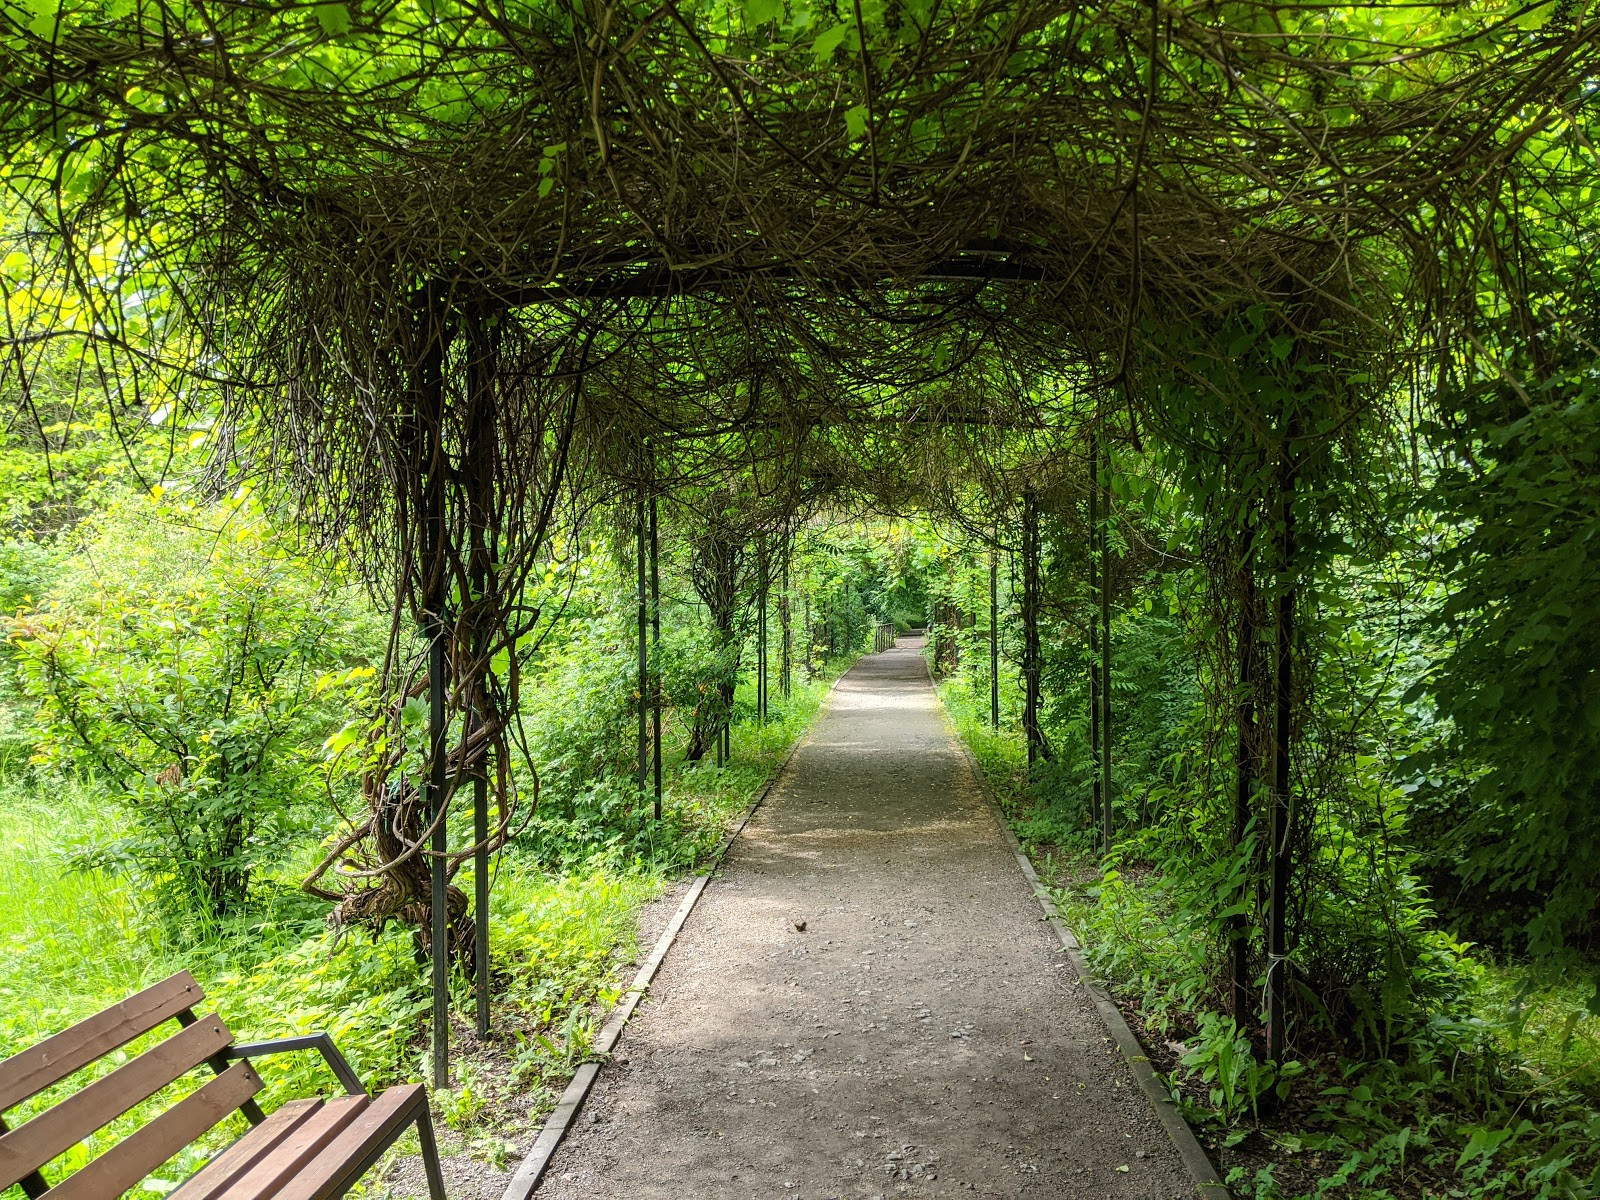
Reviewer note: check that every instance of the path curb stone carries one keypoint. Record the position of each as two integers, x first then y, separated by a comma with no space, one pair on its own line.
1207,1182
533,1165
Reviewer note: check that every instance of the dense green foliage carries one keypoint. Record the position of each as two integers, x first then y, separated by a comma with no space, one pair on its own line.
1289,306
1512,784
197,686
1412,1068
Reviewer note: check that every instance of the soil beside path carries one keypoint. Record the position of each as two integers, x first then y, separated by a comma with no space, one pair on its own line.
923,1035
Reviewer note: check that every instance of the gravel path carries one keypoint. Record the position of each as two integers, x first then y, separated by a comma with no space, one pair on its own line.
921,1035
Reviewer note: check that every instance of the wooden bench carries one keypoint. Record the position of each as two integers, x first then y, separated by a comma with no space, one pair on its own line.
307,1150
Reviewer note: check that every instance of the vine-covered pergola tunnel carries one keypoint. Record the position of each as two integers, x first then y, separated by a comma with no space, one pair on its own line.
454,273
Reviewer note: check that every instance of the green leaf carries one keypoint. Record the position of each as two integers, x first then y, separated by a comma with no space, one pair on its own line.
348,736
334,18
828,41
759,12
43,15
855,121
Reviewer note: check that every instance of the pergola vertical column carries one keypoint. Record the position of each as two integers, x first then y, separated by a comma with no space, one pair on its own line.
483,539
1281,828
480,897
786,626
642,591
1030,623
1244,767
809,631
1103,485
761,631
439,925
655,643
994,639
1096,586
431,395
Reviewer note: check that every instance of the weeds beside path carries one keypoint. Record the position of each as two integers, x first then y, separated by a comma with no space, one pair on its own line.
1504,1103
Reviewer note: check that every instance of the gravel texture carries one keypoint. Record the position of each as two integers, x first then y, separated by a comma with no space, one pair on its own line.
867,1003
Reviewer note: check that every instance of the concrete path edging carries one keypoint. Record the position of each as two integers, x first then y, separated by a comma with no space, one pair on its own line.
533,1165
1208,1183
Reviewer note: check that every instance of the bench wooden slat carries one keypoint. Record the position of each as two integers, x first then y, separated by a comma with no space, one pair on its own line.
303,1144
52,1060
346,1159
32,1145
142,1151
227,1168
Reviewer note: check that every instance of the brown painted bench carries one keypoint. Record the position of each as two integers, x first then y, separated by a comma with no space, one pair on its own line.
307,1150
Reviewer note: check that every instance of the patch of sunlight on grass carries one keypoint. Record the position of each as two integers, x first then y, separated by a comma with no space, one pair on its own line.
68,938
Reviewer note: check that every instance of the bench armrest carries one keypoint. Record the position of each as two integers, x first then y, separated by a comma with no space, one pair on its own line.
321,1042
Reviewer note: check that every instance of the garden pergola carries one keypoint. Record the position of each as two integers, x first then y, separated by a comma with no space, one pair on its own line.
448,259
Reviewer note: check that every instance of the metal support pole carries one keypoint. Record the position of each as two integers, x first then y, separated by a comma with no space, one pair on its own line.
439,930
1097,798
786,630
1244,769
1282,823
480,897
655,646
994,639
1030,622
761,646
641,557
1106,811
810,634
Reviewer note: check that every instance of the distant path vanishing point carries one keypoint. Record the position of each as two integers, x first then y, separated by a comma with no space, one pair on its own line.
922,1035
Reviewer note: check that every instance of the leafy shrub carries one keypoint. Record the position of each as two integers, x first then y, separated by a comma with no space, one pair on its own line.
1519,684
184,659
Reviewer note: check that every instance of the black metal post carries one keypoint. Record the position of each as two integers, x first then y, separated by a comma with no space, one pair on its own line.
1030,622
1106,811
786,628
439,930
480,896
1096,585
1244,768
655,645
641,557
1282,822
994,639
761,646
811,634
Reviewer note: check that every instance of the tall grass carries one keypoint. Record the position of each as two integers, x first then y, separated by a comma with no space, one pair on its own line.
70,937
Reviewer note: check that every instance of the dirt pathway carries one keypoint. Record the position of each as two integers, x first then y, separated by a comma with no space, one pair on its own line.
923,1035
